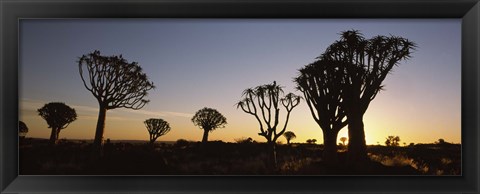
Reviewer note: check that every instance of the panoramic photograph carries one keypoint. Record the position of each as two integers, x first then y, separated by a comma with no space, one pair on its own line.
240,97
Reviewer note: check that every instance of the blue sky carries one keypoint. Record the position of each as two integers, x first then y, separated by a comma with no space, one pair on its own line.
198,63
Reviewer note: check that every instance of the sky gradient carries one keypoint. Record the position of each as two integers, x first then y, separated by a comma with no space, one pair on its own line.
196,63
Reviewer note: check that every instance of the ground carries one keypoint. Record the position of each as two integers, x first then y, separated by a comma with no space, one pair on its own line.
36,157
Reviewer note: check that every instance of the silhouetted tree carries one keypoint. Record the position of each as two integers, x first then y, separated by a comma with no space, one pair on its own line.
182,143
244,140
343,140
156,128
289,135
441,141
208,119
319,83
392,141
263,102
22,129
365,63
115,83
311,141
58,116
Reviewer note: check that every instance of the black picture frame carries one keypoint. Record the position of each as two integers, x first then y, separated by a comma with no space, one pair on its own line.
11,11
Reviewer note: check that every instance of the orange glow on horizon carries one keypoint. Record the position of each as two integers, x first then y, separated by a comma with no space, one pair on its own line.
127,125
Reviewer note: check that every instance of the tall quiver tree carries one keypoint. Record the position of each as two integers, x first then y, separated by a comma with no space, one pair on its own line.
263,102
156,128
365,63
320,84
22,129
58,116
115,83
208,119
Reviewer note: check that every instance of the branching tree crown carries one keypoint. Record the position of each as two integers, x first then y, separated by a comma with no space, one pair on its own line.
365,63
209,119
114,82
320,82
156,128
58,116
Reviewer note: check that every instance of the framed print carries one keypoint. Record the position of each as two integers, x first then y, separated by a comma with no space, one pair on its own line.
247,96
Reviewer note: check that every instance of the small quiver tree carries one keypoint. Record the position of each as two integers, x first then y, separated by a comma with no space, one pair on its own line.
22,129
58,116
289,135
208,119
392,141
156,128
343,140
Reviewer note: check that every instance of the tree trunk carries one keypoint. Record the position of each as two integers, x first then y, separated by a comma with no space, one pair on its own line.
288,142
357,149
330,147
272,155
53,136
98,141
205,136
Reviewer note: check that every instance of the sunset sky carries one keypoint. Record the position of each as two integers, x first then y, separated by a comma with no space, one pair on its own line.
196,63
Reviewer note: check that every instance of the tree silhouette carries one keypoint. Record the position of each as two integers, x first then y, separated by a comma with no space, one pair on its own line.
289,135
58,117
392,141
365,63
343,140
311,141
319,82
115,83
156,128
441,141
22,129
208,119
263,102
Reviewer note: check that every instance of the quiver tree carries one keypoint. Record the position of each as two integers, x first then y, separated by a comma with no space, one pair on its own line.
264,103
392,141
343,140
320,84
22,129
208,119
311,141
58,116
156,128
115,83
289,135
365,63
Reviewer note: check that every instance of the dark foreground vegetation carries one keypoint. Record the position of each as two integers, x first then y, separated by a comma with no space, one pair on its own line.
37,157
